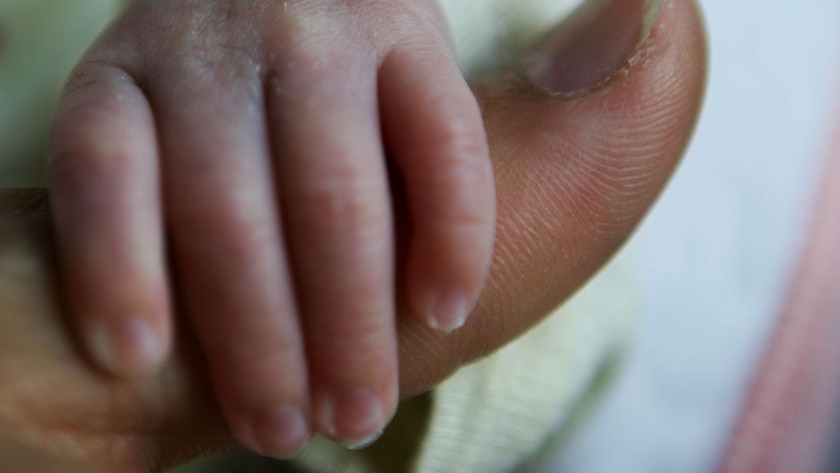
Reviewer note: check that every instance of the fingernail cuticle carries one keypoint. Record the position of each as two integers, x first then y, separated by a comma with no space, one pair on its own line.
592,45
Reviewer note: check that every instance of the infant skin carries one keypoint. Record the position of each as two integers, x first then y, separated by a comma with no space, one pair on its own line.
239,160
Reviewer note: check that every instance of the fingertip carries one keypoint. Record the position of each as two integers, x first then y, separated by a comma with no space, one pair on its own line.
447,275
354,418
127,346
447,311
280,432
434,129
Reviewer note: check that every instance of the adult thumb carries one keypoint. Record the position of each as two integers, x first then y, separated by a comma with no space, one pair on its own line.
584,136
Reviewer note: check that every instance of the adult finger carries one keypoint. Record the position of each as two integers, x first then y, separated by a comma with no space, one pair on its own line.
576,169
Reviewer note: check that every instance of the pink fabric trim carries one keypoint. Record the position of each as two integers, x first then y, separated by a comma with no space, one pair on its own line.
792,411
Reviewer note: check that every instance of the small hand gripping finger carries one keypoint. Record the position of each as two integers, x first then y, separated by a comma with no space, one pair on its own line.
435,135
105,198
331,166
230,250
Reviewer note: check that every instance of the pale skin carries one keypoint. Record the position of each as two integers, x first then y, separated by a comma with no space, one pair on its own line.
566,203
252,140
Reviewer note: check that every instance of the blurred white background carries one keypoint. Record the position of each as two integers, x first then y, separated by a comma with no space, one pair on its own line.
719,246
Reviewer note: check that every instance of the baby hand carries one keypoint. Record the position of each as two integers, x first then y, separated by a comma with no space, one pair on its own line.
250,141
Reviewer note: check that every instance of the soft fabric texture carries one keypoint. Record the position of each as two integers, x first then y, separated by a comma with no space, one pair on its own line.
499,413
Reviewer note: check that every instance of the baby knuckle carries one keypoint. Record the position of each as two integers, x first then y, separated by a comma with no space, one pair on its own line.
220,65
88,161
298,24
238,239
462,163
365,324
321,53
404,18
217,41
93,74
343,203
463,143
463,220
467,224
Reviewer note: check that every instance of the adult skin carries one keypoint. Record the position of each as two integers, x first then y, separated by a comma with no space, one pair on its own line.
574,177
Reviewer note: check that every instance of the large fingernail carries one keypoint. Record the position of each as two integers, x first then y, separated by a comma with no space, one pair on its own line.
598,40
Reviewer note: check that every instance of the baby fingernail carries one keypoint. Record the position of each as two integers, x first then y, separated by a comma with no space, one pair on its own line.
126,346
355,419
593,44
450,311
362,444
280,433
